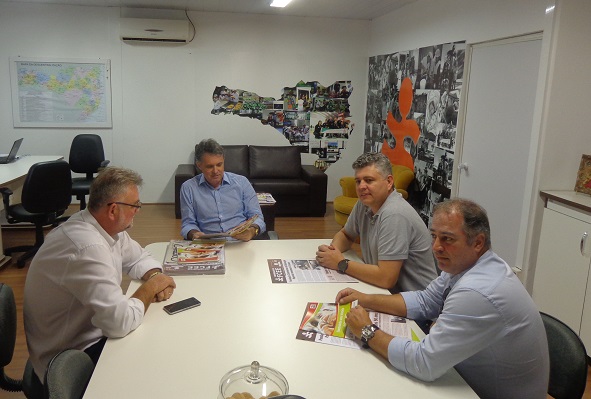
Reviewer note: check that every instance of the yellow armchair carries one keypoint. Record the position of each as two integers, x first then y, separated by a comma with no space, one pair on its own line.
343,204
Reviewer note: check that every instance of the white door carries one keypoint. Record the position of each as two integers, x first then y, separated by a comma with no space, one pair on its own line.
500,99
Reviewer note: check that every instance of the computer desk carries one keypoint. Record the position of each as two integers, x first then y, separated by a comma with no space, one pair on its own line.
12,175
244,317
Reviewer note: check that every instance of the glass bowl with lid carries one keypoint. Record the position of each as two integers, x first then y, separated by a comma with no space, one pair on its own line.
253,381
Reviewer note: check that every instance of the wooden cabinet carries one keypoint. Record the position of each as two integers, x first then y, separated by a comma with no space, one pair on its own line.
564,261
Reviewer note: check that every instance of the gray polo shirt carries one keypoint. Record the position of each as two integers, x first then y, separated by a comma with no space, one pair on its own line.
395,232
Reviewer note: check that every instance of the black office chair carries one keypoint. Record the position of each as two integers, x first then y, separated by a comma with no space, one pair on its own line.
67,375
86,156
568,360
30,384
46,194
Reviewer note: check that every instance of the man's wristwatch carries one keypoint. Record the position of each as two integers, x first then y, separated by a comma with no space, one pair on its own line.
257,229
367,333
342,266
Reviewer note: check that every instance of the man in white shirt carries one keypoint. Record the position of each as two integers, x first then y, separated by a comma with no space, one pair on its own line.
73,296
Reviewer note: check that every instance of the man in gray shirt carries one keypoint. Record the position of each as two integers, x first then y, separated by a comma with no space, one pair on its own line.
395,243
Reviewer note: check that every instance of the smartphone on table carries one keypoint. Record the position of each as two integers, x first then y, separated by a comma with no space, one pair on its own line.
182,305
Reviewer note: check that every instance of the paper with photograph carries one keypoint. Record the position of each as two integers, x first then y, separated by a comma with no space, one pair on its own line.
325,323
242,227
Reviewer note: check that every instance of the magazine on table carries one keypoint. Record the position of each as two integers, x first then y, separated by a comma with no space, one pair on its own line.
325,323
265,198
294,271
185,257
242,227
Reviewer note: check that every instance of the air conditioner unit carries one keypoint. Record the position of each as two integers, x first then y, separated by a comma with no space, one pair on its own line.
154,30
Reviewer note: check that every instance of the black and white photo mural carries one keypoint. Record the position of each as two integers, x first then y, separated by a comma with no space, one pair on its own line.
413,100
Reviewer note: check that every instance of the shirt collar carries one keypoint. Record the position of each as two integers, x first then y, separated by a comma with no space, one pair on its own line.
87,217
201,180
373,216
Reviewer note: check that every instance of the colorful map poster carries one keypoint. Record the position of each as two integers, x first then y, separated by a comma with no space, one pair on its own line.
61,93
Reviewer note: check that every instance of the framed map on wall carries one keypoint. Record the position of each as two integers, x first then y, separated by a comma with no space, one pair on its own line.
49,93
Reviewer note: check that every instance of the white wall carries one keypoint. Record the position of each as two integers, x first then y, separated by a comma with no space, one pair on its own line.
427,22
161,94
564,128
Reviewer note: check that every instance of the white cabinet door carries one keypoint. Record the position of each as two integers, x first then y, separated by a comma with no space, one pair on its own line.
562,271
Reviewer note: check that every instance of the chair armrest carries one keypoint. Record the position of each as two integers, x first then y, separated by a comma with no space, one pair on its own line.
403,192
105,163
183,173
6,193
318,181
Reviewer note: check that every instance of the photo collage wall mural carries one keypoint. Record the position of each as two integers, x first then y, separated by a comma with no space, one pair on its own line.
413,100
311,116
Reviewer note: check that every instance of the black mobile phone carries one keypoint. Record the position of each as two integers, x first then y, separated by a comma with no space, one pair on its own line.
182,305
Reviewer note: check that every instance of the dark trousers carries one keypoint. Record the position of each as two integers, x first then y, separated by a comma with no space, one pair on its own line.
95,350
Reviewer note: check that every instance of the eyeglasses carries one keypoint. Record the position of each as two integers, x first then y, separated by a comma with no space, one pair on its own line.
137,205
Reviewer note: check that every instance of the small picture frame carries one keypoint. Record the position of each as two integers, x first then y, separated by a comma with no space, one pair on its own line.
583,184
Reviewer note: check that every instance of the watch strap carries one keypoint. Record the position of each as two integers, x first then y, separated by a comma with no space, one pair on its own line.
343,265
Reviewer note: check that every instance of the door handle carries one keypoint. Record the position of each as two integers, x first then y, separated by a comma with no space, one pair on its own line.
583,241
463,166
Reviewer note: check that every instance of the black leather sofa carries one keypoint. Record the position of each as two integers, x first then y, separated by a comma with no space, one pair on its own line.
300,190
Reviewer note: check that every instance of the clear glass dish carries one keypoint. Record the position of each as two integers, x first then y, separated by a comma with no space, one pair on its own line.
253,381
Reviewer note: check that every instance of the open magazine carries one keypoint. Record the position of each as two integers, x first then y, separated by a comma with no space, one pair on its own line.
325,323
242,227
294,271
194,257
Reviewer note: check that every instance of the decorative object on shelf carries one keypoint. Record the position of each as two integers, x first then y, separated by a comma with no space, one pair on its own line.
320,164
583,184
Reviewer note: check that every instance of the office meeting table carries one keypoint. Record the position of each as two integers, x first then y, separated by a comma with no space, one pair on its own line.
245,317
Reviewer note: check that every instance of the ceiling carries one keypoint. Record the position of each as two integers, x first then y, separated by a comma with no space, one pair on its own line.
348,9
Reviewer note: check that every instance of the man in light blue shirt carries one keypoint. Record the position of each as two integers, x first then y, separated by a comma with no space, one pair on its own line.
488,327
216,201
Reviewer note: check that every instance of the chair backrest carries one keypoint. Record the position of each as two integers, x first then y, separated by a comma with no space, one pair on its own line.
7,336
568,360
86,153
68,374
7,324
47,187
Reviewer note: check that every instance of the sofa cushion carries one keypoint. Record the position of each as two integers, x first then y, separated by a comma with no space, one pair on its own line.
275,162
286,187
235,159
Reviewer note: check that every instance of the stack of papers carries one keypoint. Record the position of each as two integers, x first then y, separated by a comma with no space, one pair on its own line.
265,198
194,257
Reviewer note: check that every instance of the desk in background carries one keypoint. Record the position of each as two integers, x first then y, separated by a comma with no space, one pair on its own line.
12,175
244,317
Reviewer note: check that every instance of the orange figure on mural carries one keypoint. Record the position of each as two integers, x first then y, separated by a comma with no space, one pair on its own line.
406,127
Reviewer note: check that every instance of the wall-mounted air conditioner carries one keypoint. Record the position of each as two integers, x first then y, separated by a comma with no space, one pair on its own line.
154,30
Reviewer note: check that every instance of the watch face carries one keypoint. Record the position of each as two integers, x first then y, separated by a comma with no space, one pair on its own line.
368,332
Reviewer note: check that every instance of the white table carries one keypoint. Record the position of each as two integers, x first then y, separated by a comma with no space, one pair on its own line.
12,175
244,317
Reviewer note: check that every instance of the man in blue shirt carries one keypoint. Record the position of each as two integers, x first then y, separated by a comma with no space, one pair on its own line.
216,201
488,327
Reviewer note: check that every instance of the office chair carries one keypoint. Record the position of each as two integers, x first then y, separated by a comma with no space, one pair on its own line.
30,384
568,360
46,194
67,375
86,156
